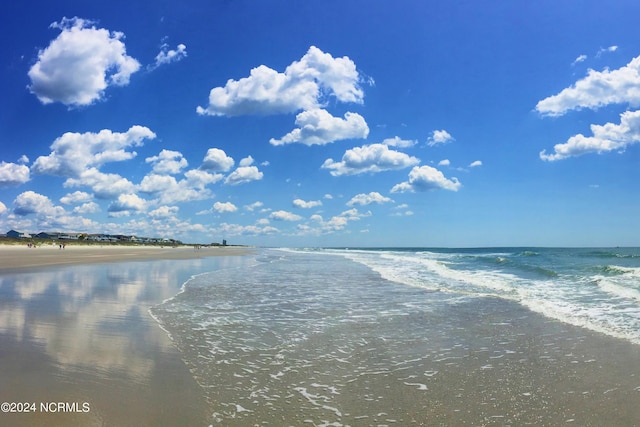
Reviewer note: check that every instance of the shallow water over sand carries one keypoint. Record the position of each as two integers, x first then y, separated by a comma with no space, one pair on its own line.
308,339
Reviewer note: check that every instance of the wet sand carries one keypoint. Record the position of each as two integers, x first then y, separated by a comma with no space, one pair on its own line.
20,257
81,336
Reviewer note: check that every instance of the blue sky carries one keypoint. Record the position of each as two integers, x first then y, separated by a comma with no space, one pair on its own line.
323,123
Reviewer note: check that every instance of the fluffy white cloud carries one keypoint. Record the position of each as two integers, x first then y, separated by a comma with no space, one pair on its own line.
608,137
253,206
44,215
366,199
369,158
396,141
284,216
217,160
597,89
78,66
154,183
304,85
13,174
164,212
31,202
336,223
299,203
3,208
439,137
243,175
103,185
424,178
318,127
75,197
226,207
475,164
167,56
247,161
72,153
168,162
198,179
128,203
444,162
87,208
167,189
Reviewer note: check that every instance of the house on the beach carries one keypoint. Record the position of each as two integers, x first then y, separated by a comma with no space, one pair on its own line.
18,234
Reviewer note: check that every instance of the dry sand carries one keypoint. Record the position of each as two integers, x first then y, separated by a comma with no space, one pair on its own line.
19,257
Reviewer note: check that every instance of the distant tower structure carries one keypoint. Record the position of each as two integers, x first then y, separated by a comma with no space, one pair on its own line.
224,242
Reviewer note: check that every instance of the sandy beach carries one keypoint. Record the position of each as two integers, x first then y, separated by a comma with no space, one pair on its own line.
268,340
78,346
20,257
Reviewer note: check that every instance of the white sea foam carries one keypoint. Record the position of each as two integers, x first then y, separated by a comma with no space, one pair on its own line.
570,298
614,287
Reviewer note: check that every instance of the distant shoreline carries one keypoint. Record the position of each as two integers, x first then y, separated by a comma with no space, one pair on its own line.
19,256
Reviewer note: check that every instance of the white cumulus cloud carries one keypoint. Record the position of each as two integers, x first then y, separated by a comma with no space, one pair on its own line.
369,158
335,223
164,212
87,208
217,160
75,197
284,216
168,162
13,174
167,56
319,127
304,85
78,66
224,207
253,206
439,137
424,178
597,89
608,137
31,202
72,153
243,175
128,203
103,185
475,164
167,189
299,203
396,141
247,161
366,199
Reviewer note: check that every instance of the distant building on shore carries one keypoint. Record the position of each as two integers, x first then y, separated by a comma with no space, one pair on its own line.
103,238
18,234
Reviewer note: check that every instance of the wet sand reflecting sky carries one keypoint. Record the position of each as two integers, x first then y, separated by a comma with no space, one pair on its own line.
84,334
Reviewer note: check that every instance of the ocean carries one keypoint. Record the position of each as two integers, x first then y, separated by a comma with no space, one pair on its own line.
415,336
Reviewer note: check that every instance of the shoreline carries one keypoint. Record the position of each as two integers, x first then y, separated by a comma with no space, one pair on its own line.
75,328
21,257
